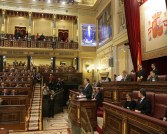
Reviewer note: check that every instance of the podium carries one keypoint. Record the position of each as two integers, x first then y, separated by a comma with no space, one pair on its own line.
83,113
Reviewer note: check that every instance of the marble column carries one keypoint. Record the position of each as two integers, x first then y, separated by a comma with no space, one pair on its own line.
29,25
54,25
77,33
115,59
54,64
28,62
1,63
116,17
3,22
77,64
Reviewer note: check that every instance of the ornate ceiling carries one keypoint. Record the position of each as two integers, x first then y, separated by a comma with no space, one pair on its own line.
50,6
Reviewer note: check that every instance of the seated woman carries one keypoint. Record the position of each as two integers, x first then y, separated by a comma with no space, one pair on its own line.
130,104
165,117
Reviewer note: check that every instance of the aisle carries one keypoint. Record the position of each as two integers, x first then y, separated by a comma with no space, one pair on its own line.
60,123
35,120
57,125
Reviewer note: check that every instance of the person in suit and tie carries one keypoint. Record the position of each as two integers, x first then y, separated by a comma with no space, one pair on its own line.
125,76
152,77
154,68
141,74
98,96
88,89
144,106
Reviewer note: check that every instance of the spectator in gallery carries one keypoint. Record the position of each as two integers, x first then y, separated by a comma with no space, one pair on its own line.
17,34
37,36
125,76
154,68
15,63
130,103
141,74
152,77
144,105
42,37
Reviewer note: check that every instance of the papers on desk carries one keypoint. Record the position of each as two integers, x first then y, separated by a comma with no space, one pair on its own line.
81,96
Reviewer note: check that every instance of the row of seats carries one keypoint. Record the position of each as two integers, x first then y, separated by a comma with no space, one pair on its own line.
158,102
160,77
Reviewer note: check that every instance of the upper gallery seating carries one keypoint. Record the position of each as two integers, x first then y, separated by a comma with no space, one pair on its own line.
8,41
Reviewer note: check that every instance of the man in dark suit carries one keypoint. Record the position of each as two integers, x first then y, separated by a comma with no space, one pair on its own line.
125,76
98,96
141,74
88,89
51,102
144,105
154,68
152,76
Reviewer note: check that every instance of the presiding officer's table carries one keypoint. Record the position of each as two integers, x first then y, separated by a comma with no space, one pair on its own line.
83,112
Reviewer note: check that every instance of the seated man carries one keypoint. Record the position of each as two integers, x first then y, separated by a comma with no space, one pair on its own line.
125,76
152,76
144,105
5,92
130,104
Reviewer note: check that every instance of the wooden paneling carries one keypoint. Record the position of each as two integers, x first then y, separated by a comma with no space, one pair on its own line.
13,117
83,112
118,120
115,92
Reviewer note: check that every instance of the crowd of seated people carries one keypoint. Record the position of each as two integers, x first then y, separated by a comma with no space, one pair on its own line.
59,69
143,105
140,75
37,37
11,79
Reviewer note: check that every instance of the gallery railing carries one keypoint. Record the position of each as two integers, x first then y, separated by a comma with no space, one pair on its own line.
38,44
